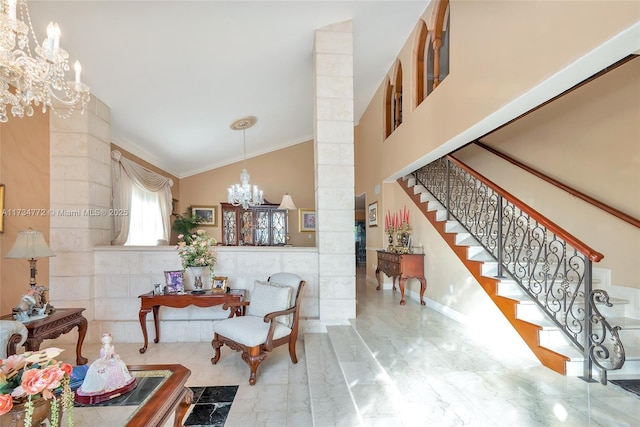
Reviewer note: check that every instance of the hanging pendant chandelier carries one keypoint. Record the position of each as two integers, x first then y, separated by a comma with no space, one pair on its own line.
29,79
244,194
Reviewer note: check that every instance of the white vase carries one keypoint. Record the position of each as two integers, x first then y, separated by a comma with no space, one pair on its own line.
197,273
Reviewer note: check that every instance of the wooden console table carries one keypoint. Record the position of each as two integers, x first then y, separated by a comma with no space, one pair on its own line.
60,322
151,302
405,266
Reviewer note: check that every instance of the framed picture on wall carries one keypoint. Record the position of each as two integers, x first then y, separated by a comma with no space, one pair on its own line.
373,214
306,220
208,213
1,208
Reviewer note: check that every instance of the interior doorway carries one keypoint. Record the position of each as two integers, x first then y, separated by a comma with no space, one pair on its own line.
360,231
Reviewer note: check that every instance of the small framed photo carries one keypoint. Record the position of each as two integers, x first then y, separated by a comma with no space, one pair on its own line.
219,284
208,213
306,220
175,281
373,214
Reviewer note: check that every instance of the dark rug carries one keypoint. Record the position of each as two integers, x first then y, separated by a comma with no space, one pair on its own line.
211,404
630,385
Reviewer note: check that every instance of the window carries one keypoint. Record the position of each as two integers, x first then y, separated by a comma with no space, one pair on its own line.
145,228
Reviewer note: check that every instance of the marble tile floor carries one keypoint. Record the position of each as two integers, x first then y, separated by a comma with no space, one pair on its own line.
406,366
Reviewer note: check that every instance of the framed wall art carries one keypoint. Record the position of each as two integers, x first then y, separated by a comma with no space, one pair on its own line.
1,208
306,220
219,284
175,281
208,213
373,214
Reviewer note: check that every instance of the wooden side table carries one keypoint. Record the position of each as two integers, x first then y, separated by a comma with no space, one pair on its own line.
60,322
151,302
405,266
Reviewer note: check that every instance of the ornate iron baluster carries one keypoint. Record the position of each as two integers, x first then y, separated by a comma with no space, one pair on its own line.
556,276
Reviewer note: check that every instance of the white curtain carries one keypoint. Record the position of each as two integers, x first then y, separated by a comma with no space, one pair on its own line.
124,175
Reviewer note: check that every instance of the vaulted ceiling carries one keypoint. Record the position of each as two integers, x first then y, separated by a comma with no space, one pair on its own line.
176,74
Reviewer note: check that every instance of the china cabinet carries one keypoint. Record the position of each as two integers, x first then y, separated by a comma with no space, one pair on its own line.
263,225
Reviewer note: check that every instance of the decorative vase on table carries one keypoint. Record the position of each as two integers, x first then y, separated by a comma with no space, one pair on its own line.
16,416
197,273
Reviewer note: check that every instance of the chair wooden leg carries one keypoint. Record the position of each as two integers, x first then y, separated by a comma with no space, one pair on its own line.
292,350
253,358
216,344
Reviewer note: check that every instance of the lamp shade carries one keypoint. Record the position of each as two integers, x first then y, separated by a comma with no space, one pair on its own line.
30,244
287,203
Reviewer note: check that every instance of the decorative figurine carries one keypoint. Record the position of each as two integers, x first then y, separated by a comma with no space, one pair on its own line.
33,305
107,377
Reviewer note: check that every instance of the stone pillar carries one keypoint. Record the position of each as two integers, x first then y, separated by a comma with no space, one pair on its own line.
80,179
334,171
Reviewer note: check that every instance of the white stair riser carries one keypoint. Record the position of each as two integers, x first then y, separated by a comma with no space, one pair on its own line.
529,311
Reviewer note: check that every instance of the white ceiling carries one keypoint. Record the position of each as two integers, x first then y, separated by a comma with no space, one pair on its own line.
176,74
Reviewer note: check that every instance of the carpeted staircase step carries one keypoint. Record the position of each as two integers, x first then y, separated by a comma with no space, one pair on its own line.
331,400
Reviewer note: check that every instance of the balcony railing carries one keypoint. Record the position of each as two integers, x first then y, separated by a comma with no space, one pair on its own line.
551,266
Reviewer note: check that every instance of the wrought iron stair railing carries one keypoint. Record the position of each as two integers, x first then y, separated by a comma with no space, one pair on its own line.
550,265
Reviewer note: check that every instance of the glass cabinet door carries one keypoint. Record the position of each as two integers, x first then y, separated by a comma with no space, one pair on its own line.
278,228
263,225
246,228
229,227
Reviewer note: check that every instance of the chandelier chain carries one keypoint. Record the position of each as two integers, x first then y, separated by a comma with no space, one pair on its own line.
244,194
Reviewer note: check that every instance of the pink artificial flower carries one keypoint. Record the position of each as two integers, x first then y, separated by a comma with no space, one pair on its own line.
36,381
11,362
6,403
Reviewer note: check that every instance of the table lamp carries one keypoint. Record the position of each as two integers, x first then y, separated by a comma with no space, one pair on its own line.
287,203
30,245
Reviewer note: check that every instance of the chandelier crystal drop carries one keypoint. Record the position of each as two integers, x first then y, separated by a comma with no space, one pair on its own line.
28,78
244,193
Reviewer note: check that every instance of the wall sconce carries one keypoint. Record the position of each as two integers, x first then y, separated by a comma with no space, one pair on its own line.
287,203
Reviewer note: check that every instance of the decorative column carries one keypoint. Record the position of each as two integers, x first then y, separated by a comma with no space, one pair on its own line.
334,172
80,180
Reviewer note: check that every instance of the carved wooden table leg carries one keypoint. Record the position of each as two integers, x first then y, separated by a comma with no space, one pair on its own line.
402,280
142,315
156,323
183,406
378,278
82,331
423,287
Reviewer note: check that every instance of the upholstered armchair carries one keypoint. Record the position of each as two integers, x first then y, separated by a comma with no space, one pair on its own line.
271,320
12,334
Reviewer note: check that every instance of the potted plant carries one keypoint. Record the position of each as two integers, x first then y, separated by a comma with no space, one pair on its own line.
185,224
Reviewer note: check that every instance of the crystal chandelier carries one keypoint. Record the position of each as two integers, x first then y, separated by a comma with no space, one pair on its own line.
36,79
243,193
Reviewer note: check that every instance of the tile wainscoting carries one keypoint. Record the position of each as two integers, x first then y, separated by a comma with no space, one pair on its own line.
123,273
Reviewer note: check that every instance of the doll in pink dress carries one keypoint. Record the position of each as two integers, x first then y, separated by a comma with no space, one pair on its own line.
106,374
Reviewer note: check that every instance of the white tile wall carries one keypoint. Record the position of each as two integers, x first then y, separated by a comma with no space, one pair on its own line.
124,273
334,173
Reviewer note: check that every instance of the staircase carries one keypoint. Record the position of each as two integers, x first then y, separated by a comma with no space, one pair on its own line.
541,334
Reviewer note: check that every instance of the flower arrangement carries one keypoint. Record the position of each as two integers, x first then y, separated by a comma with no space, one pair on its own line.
198,250
24,378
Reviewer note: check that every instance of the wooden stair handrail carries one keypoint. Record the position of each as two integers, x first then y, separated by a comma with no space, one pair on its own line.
609,209
550,225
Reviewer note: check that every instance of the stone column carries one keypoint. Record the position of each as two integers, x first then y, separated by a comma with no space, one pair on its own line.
334,171
80,179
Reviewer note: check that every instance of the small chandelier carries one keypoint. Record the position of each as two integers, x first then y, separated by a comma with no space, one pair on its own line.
36,79
243,193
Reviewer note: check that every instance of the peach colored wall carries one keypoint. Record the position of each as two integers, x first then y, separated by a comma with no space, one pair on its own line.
498,52
24,170
589,140
288,170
